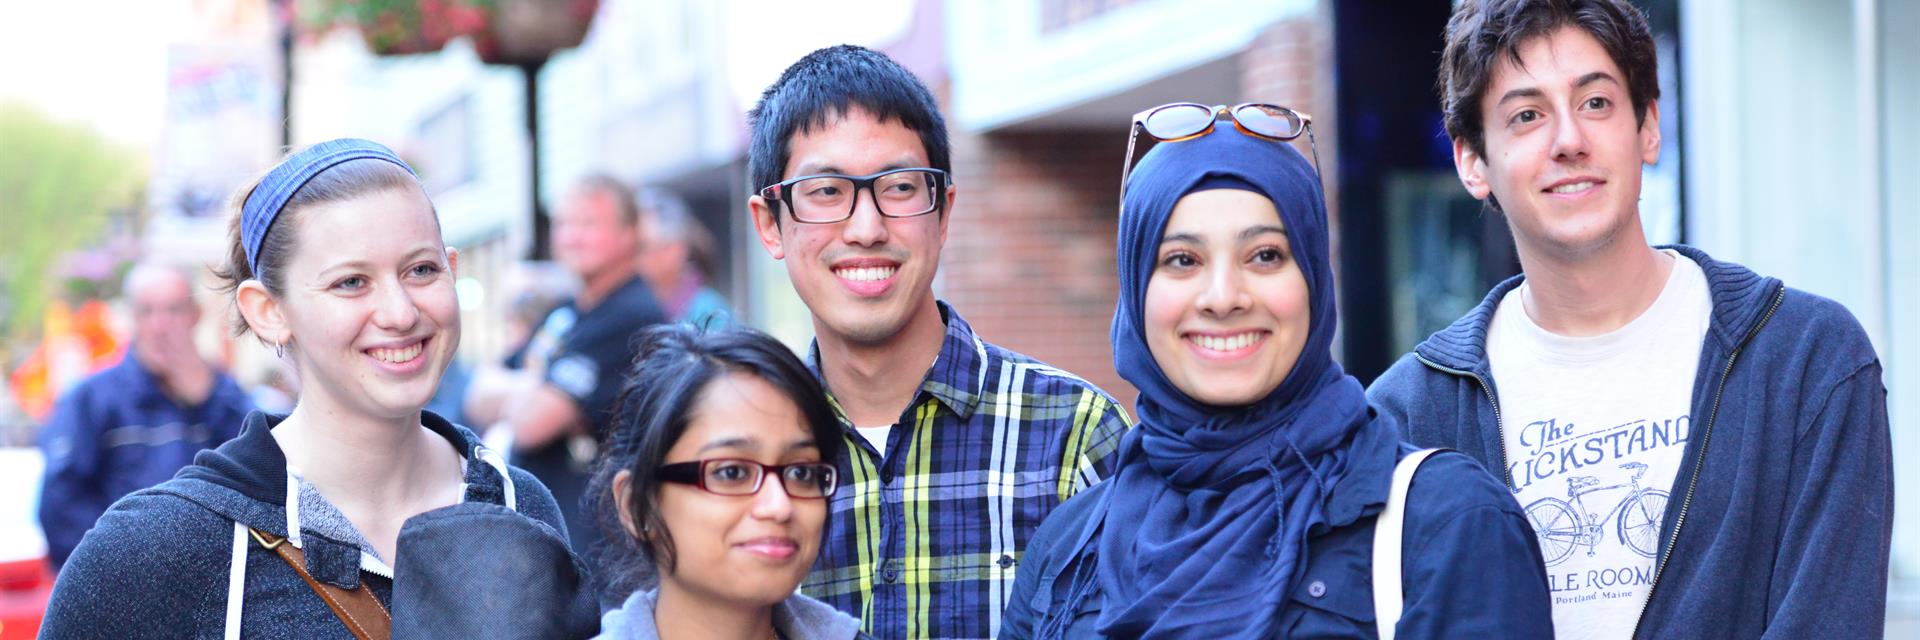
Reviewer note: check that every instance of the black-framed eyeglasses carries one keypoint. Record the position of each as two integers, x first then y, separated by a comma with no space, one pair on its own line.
1188,120
738,477
830,197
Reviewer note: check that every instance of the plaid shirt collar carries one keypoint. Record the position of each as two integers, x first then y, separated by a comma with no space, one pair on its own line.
957,378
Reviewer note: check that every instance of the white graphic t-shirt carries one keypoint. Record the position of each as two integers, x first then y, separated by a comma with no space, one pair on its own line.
1596,428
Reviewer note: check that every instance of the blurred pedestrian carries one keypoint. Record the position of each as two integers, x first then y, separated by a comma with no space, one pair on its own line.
535,289
532,290
292,529
677,260
572,367
135,424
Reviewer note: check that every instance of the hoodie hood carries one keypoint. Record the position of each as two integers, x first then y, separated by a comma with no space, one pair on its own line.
246,480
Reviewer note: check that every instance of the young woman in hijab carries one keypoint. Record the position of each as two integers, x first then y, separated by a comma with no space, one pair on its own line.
292,529
1246,498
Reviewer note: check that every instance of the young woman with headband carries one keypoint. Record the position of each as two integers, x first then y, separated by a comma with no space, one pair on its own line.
292,530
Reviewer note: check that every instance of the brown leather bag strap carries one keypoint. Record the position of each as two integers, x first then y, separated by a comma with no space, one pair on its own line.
358,608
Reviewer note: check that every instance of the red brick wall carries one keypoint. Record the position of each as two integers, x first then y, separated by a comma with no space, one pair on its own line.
1029,258
1291,64
1029,254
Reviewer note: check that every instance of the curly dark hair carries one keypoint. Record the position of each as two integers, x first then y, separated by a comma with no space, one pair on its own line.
1481,32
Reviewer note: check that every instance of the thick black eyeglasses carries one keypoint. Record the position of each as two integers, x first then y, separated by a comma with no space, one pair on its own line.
1188,120
737,477
830,197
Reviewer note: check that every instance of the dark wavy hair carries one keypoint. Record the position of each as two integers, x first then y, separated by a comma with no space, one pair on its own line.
1483,32
676,364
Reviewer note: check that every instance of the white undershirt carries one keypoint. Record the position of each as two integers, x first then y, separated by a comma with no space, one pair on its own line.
876,436
1584,416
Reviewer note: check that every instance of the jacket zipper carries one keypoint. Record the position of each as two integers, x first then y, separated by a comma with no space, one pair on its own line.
1706,438
1499,425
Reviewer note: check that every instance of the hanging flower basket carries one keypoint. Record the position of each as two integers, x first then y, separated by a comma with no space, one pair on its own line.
401,27
527,32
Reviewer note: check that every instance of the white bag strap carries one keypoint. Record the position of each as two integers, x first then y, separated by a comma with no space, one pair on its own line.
236,581
1387,598
499,463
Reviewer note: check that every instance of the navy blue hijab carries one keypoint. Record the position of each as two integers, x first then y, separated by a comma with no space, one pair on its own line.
1211,506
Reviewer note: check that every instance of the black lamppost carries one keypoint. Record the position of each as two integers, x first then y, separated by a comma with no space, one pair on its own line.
542,226
525,34
287,25
519,33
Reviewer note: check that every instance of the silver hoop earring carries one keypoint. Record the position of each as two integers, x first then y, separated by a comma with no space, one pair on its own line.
280,349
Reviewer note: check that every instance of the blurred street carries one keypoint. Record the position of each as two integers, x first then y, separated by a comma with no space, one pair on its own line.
126,126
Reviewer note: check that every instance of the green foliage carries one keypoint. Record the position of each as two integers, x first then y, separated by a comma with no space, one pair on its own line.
59,183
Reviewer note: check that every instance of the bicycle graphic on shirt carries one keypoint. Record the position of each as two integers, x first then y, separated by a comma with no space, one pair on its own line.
1562,525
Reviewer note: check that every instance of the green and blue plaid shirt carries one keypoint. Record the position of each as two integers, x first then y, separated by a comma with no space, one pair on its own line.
924,542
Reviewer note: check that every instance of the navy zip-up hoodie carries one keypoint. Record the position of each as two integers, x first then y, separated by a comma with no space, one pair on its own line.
161,562
1783,509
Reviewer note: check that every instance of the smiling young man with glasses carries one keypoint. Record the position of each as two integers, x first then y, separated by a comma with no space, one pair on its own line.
957,448
1702,451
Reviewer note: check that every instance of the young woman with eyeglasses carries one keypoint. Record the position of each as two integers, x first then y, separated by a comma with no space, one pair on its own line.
1247,496
714,491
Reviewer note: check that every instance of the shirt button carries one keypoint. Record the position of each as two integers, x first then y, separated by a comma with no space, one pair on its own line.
1317,589
890,574
1005,561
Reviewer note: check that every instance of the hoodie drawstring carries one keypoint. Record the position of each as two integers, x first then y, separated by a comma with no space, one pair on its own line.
236,580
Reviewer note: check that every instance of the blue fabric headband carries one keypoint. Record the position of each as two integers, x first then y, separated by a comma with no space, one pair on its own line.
265,202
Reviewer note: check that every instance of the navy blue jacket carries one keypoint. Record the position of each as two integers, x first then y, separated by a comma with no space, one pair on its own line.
159,562
1470,566
1783,509
116,433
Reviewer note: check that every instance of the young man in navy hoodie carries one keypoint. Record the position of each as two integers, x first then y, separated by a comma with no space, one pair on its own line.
1702,451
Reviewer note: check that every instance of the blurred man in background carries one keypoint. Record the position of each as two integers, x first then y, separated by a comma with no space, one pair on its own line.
677,261
135,424
571,369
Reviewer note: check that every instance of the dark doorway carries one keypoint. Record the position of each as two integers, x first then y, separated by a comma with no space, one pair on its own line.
1416,250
